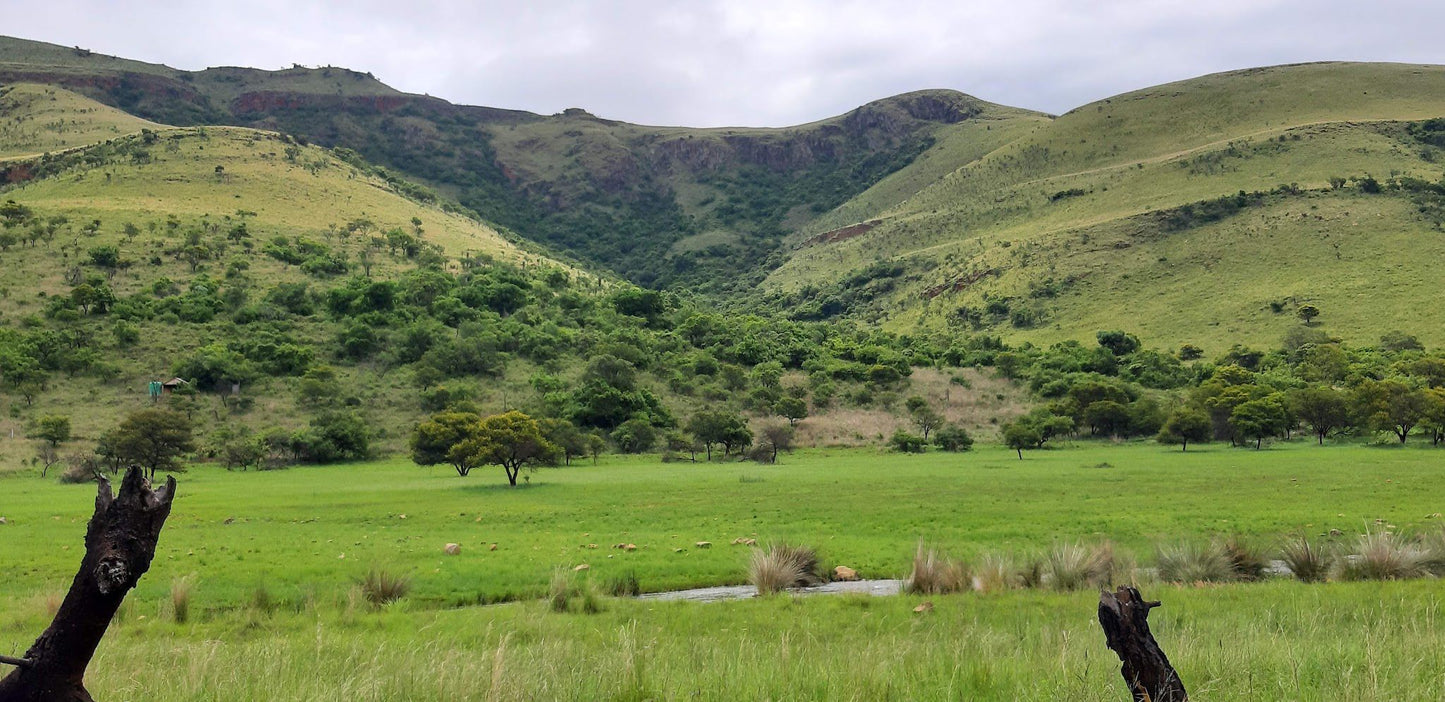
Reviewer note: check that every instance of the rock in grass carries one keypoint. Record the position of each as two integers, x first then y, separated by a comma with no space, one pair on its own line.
493,547
581,567
845,573
3,522
453,549
927,606
703,544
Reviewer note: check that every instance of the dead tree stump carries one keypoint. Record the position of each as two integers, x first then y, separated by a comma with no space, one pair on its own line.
119,545
1124,615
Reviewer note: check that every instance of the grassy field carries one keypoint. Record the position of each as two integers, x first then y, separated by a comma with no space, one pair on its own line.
325,527
275,614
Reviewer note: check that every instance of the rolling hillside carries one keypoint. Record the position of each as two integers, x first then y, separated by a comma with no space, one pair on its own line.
133,253
1109,216
705,209
931,210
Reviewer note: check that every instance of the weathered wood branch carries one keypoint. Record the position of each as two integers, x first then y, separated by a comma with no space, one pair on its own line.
120,543
18,662
1124,615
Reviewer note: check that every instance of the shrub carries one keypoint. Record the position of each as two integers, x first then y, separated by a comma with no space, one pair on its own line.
951,437
381,587
906,442
1194,563
634,436
1386,556
781,566
936,574
1305,561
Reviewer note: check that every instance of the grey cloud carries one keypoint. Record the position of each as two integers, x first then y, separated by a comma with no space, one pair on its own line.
752,62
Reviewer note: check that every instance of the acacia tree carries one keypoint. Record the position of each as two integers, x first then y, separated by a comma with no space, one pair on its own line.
1184,425
1390,405
436,439
791,409
1257,419
720,427
154,439
511,440
1324,409
1020,435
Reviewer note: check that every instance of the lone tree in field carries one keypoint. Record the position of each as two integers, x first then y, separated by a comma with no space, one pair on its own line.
1184,425
924,416
153,439
1307,313
120,543
792,409
512,441
1019,436
52,429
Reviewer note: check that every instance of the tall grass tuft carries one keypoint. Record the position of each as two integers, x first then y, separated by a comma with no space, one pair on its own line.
1195,563
995,573
559,594
181,590
1075,566
1386,556
936,574
625,585
1247,562
262,602
781,566
1307,562
381,587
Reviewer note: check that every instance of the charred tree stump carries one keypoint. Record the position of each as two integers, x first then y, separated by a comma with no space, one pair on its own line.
1124,615
119,545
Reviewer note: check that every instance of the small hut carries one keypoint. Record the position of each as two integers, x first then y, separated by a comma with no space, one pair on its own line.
172,385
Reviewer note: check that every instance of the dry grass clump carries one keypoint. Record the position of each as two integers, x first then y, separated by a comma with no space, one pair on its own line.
1387,556
1195,563
1306,561
1075,566
936,574
780,566
381,587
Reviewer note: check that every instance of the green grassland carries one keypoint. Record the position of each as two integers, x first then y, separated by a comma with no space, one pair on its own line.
39,119
236,534
322,527
1032,213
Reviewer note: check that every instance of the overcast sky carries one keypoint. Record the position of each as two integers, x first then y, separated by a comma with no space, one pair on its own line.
745,62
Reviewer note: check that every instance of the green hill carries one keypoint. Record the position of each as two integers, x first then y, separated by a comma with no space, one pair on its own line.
348,301
930,210
1105,218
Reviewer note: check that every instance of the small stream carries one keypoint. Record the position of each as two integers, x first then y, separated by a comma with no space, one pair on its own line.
881,588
